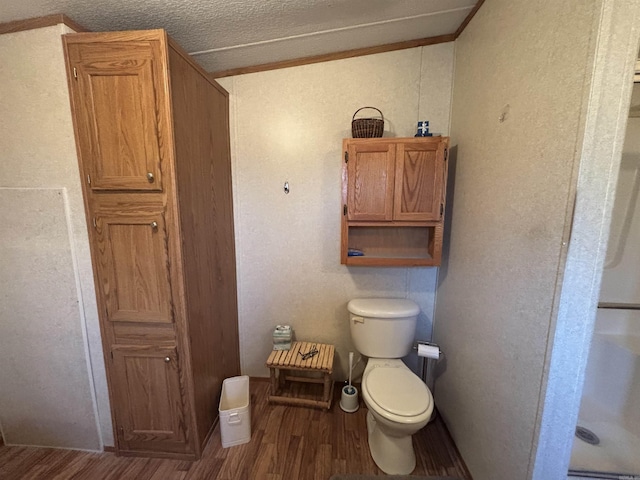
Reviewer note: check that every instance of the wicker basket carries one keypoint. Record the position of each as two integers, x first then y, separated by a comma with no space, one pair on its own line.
367,127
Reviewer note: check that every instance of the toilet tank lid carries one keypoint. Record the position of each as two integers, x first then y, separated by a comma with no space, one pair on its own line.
383,307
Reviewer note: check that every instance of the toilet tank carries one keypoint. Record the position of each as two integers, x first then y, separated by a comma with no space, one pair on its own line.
383,327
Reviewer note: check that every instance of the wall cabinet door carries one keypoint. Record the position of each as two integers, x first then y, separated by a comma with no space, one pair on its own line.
419,181
118,131
134,265
371,170
147,393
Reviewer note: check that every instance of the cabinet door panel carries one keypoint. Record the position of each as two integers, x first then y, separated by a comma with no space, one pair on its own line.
419,180
117,115
134,266
371,178
148,403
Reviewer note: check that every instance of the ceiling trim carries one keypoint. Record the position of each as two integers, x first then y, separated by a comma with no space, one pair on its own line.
327,57
358,52
40,22
468,18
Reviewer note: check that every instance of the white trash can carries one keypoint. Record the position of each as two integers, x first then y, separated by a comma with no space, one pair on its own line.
235,411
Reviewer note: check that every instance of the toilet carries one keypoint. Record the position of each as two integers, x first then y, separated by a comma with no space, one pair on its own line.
398,401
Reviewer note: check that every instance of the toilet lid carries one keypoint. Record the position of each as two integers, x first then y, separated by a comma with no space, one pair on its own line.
398,391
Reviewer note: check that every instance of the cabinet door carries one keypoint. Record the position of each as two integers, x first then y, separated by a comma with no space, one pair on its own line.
370,170
149,410
134,265
419,181
115,90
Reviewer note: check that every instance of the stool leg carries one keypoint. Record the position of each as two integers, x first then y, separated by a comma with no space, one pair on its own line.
281,375
327,387
274,383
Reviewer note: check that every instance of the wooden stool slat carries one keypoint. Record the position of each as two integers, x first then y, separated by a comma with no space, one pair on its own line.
285,360
293,353
316,357
280,354
272,357
302,349
318,360
329,356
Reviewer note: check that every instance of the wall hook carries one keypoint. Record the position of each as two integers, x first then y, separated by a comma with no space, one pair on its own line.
286,187
504,114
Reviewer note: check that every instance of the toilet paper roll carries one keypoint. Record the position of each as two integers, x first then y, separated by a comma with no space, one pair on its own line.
428,351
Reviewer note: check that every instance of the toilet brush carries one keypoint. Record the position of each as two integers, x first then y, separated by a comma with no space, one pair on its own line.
349,400
350,390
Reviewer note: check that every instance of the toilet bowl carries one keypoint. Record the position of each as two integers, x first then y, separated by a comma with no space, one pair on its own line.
399,402
399,405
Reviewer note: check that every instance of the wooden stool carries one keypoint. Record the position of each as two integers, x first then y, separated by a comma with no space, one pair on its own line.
322,363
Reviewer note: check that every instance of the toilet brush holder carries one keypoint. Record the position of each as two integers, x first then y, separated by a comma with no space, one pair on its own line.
349,400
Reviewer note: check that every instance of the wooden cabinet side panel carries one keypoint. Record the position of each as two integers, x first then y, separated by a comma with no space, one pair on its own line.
203,180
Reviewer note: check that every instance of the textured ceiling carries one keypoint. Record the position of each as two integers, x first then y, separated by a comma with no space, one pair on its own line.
224,34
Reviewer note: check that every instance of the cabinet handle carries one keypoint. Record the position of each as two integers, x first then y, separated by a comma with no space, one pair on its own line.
154,225
150,177
167,359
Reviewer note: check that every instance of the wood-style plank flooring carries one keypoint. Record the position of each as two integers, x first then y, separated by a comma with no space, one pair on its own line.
287,443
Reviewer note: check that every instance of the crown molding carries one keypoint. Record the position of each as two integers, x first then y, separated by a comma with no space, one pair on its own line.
40,22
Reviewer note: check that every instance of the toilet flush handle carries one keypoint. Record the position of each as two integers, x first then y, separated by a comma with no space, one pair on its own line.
357,319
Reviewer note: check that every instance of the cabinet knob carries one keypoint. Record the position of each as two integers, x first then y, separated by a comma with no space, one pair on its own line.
167,359
150,177
154,225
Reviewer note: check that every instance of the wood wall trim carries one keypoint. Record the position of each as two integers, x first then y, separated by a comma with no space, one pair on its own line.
466,21
40,22
358,52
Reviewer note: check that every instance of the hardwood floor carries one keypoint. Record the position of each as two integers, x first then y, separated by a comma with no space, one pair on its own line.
287,443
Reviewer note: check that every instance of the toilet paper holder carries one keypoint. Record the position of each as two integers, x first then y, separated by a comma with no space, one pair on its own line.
427,365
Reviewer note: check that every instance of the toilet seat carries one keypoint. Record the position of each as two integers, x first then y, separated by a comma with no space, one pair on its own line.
397,394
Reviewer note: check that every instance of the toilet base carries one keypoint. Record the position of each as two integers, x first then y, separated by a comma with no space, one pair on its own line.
393,455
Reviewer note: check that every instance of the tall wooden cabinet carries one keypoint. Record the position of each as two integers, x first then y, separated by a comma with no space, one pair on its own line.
393,193
152,133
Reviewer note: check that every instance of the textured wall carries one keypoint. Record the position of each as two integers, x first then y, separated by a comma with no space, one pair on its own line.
288,125
519,83
46,390
49,316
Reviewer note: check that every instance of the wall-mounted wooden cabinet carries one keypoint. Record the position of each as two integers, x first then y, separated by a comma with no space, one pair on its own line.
393,193
153,142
